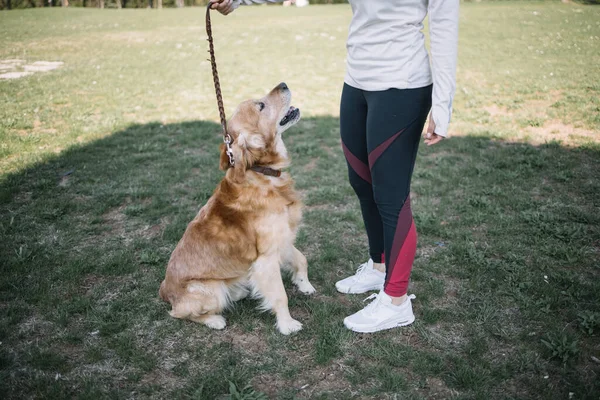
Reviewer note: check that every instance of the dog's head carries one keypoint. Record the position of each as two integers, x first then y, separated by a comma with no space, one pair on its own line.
256,127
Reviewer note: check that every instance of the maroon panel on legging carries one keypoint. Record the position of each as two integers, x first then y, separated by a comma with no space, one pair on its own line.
358,166
402,253
378,151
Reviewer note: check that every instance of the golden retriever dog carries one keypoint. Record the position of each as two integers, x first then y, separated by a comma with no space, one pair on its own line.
245,233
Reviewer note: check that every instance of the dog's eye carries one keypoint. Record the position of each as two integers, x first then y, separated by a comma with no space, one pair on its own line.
261,106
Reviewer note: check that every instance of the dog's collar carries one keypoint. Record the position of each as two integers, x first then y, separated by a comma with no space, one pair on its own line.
266,171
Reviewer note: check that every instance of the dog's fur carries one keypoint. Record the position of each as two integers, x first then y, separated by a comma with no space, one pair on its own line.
246,231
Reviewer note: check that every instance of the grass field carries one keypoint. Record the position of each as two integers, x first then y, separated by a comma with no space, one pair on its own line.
105,160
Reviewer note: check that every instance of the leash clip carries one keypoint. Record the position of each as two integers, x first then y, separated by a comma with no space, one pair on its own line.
228,150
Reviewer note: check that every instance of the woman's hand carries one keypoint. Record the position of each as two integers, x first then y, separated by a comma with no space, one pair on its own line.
223,6
431,137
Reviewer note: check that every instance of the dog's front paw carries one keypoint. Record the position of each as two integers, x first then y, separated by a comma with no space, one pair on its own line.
304,286
214,321
289,326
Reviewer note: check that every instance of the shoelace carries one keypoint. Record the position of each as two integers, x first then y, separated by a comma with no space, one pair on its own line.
360,272
372,306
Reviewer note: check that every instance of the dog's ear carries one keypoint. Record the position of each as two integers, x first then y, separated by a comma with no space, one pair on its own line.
244,142
240,157
244,148
254,142
224,158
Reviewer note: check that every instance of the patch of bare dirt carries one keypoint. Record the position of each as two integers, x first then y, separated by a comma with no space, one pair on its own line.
115,219
452,286
557,130
339,300
36,326
120,225
15,74
249,342
538,106
90,282
15,69
109,368
112,286
269,384
445,336
150,232
308,383
546,100
165,378
322,380
64,181
10,64
43,66
435,388
426,251
494,111
548,130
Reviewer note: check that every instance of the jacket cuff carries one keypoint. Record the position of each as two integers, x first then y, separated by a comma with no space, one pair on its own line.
441,117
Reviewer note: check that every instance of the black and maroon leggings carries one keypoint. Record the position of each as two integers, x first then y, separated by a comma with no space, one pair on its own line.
380,133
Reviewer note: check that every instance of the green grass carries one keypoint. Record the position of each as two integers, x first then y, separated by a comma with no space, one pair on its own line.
98,181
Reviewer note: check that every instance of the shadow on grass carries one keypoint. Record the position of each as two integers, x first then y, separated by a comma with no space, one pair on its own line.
509,245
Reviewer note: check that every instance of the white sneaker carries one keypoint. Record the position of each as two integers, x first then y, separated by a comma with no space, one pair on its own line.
366,278
381,314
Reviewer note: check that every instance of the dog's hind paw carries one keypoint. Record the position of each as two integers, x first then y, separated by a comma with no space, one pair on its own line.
289,326
214,321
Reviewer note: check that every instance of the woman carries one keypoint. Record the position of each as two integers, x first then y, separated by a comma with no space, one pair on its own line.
388,92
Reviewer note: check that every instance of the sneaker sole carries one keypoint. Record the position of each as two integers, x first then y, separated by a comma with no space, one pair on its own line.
382,327
365,290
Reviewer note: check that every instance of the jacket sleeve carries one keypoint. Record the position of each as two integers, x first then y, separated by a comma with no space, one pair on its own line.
443,34
237,3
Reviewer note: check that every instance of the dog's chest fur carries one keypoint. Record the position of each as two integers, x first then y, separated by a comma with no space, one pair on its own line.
264,212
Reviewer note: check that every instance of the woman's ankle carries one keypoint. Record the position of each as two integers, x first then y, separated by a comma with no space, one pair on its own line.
379,266
398,300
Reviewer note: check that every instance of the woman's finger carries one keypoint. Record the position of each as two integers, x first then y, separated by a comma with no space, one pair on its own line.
430,129
223,6
433,139
216,4
229,9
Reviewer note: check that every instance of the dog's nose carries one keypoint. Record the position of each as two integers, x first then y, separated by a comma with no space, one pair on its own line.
283,86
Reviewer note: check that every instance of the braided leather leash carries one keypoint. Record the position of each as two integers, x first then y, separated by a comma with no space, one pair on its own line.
211,49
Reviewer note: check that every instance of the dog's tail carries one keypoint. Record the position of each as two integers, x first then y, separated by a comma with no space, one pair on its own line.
199,298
